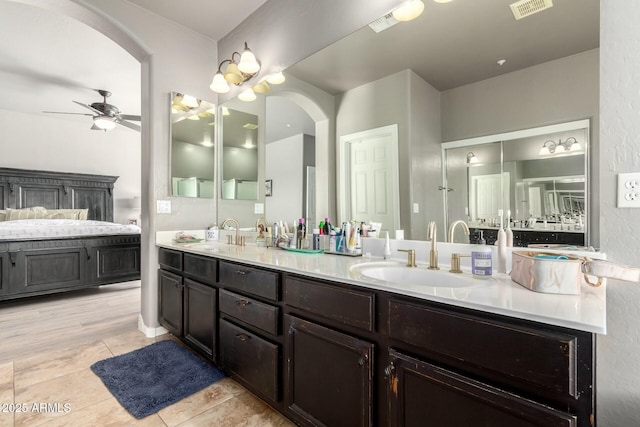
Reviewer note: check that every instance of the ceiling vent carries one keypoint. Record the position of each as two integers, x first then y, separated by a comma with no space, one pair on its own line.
383,23
523,8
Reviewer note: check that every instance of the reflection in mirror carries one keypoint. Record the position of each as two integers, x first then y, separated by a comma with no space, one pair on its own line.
192,158
239,155
290,161
542,191
438,88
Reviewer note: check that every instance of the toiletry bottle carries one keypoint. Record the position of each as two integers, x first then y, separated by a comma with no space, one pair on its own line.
339,240
502,247
302,234
327,226
508,231
316,239
481,265
332,241
387,248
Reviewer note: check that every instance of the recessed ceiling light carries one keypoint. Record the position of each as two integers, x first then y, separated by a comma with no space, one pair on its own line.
250,126
501,62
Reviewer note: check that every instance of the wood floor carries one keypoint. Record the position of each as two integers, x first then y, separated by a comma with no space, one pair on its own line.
47,345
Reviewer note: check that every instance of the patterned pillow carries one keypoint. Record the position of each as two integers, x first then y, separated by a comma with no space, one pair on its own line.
69,213
3,215
28,213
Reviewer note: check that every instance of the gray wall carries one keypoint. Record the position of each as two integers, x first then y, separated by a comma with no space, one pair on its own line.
406,100
240,163
189,160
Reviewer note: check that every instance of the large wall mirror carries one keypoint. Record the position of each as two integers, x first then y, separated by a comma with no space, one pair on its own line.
537,178
192,159
437,88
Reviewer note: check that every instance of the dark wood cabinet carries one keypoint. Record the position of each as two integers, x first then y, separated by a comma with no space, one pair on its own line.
188,308
252,360
170,307
424,394
5,264
329,376
333,354
200,317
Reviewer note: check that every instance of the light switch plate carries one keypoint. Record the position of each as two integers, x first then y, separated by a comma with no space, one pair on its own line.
258,208
416,208
629,190
163,206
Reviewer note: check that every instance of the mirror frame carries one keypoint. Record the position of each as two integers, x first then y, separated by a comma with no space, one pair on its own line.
584,124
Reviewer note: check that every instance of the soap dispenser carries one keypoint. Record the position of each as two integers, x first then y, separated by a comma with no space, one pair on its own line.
481,265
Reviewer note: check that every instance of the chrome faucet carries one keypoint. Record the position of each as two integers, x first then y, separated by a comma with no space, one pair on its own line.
453,226
433,253
238,240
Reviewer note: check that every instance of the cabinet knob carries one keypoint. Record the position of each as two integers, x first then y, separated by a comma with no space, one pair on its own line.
243,337
241,272
242,302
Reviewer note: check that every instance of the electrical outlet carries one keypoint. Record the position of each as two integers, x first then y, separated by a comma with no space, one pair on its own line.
416,208
629,190
163,206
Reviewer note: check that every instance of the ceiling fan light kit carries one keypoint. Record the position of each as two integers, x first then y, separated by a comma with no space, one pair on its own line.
239,69
105,116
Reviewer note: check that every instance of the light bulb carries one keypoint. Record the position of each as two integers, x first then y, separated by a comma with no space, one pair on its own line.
219,84
409,10
104,122
248,62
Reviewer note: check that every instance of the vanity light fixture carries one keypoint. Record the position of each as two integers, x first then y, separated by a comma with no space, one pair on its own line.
550,146
471,158
408,10
247,96
104,122
236,72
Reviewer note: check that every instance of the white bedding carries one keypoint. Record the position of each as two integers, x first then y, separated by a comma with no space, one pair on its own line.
61,228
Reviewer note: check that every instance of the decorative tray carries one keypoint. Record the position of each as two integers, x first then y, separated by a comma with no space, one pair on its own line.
352,254
188,240
304,251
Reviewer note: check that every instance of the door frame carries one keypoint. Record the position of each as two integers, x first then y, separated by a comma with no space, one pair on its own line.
344,171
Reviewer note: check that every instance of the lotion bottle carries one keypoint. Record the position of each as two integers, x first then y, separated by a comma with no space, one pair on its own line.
387,248
481,262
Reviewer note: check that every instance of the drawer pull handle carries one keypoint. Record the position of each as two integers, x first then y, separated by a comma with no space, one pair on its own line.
242,302
241,272
363,360
243,337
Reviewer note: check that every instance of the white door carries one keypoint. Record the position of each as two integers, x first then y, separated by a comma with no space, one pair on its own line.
485,195
371,182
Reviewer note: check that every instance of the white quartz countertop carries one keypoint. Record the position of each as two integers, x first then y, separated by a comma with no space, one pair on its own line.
498,295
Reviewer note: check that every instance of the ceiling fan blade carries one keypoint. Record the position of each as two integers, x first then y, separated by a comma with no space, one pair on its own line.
130,117
129,125
63,112
89,107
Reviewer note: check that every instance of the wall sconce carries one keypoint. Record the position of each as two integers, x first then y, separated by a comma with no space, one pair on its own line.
550,147
471,158
241,71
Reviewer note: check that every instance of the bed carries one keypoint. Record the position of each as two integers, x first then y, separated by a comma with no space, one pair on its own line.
57,234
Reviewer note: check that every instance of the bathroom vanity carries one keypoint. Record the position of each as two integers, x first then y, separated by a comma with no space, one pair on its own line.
327,346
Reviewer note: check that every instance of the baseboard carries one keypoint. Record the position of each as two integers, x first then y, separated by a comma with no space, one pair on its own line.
150,332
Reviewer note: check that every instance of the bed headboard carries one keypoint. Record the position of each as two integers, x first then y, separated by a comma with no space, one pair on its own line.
21,188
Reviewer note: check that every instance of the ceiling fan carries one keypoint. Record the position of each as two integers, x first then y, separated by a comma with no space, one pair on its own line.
105,116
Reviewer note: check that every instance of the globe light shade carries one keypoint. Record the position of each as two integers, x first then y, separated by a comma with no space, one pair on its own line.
219,84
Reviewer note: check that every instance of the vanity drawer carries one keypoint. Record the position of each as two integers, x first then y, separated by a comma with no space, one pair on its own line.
203,268
514,354
249,280
348,306
169,259
250,358
262,316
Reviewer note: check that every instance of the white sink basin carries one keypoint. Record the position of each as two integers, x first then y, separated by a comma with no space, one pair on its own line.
209,246
400,274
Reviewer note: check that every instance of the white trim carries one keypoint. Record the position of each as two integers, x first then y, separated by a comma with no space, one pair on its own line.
148,331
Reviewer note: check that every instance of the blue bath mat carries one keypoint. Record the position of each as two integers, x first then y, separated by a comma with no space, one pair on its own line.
153,377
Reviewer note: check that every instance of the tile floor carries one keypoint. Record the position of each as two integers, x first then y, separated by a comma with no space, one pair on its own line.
55,386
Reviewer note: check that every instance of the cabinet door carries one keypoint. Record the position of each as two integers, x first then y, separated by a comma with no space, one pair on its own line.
200,317
329,376
423,394
170,302
4,273
251,360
